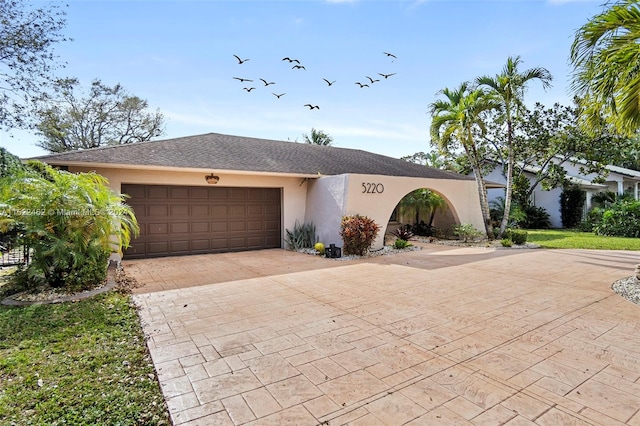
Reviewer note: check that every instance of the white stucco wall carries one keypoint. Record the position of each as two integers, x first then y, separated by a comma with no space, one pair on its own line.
331,197
293,188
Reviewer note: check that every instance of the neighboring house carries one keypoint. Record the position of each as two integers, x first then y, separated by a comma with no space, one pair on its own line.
215,193
619,180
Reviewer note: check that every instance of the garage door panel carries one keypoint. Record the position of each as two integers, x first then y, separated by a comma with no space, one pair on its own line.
220,226
157,210
200,210
158,229
199,193
220,244
158,192
200,227
158,248
237,243
179,210
238,210
179,193
219,210
272,225
200,245
237,226
238,193
180,247
181,219
255,209
179,228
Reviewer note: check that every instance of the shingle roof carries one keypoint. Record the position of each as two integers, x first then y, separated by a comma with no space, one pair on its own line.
225,152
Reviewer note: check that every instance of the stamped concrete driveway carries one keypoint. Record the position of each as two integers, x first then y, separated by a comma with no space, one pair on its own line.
439,336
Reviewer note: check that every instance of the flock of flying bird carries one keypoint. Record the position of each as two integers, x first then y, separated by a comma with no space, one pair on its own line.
299,66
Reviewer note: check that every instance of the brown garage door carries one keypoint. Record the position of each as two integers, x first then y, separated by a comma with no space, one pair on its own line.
178,220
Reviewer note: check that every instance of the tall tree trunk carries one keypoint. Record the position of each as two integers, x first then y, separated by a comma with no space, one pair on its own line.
509,190
482,193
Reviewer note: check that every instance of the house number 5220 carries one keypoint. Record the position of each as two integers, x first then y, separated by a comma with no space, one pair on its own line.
372,188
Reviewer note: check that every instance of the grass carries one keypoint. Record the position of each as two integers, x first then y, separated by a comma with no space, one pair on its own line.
81,363
572,239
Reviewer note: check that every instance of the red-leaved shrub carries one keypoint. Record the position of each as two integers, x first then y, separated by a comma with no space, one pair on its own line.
358,233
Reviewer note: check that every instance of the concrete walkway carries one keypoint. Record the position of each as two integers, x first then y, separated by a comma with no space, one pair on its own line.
439,336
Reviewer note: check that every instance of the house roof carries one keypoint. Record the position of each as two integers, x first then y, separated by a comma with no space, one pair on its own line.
585,183
624,171
225,152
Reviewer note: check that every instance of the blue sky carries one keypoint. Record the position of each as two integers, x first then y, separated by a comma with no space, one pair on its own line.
178,55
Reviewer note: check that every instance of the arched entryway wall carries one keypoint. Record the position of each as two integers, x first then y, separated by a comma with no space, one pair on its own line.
331,197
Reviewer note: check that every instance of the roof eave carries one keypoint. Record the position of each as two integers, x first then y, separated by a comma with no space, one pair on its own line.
94,165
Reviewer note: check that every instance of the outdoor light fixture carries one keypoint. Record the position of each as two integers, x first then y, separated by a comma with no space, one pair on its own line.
212,179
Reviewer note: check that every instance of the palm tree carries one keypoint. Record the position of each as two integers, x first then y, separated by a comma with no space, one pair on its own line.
421,201
318,137
454,121
606,77
509,87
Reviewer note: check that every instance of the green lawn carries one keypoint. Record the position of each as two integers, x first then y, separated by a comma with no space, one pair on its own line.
81,363
570,239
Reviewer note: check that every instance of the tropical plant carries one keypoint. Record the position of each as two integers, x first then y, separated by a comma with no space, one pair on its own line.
401,244
71,222
572,200
454,122
421,201
358,233
517,236
506,242
509,87
403,233
106,116
302,236
318,137
621,219
466,232
606,76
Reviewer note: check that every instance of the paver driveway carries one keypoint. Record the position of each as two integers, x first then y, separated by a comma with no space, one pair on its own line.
440,336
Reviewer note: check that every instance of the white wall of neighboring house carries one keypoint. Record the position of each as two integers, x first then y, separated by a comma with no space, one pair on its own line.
549,200
619,180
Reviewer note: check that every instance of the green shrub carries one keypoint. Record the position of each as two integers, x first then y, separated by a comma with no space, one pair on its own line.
302,236
506,242
70,221
593,219
358,233
517,236
400,244
536,218
622,219
466,232
572,202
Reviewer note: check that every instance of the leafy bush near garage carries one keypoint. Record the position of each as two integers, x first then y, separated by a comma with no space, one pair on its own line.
303,236
70,221
358,233
622,219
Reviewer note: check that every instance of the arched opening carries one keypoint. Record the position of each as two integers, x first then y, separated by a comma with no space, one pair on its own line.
425,212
